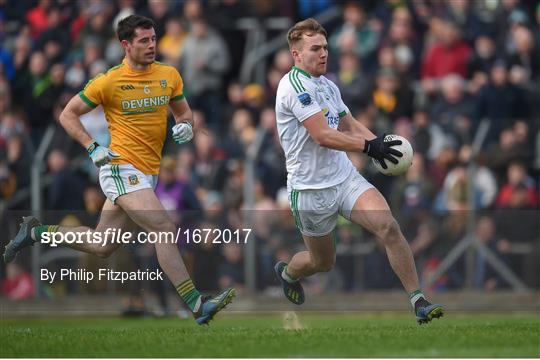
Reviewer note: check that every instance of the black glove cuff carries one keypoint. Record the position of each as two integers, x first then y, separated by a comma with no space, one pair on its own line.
93,146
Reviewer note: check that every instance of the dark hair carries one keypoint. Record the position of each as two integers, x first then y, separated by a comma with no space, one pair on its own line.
126,26
309,27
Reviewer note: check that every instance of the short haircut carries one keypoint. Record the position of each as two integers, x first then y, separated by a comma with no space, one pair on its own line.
308,27
126,26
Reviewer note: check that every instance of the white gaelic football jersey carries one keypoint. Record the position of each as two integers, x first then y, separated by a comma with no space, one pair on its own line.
309,165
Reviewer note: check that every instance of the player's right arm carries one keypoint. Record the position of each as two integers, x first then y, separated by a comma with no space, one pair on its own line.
71,122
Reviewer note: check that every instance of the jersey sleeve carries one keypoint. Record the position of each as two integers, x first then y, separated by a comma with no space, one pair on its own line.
342,108
93,94
178,86
301,102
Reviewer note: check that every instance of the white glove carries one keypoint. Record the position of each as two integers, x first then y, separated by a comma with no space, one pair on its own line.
100,155
182,132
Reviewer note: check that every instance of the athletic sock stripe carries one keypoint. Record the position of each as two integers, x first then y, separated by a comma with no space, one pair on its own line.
292,82
184,284
53,228
414,293
186,289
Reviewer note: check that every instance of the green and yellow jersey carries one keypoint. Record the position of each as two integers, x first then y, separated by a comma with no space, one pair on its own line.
135,103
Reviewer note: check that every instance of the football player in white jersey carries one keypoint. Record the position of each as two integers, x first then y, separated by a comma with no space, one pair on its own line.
316,130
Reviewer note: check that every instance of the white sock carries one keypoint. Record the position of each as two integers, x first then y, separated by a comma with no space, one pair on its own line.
197,305
415,296
287,277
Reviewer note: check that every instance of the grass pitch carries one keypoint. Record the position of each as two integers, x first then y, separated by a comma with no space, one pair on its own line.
231,335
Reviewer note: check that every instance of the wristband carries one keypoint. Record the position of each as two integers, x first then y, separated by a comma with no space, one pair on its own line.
90,149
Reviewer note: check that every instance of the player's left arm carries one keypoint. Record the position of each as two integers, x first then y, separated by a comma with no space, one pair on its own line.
182,132
181,111
348,124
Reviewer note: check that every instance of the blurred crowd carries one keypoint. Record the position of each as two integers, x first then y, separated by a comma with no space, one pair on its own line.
431,71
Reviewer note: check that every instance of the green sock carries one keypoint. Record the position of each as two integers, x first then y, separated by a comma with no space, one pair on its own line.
189,294
40,229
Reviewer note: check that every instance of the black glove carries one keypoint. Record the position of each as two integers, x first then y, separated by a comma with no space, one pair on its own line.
381,150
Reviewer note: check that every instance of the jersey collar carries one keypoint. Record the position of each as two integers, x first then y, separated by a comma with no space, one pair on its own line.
303,72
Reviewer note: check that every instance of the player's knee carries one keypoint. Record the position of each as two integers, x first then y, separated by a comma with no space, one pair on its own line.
104,252
389,231
162,225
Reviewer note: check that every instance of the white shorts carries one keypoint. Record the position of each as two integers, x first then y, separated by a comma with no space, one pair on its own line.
316,211
120,179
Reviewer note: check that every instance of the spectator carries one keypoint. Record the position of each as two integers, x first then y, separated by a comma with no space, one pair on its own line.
525,60
402,38
170,46
242,126
231,270
176,195
449,55
209,165
389,104
37,17
356,29
21,52
54,41
508,149
254,98
67,187
204,61
271,159
235,101
15,154
500,102
352,82
519,191
485,182
98,25
428,137
413,194
29,86
18,284
454,111
463,13
481,62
